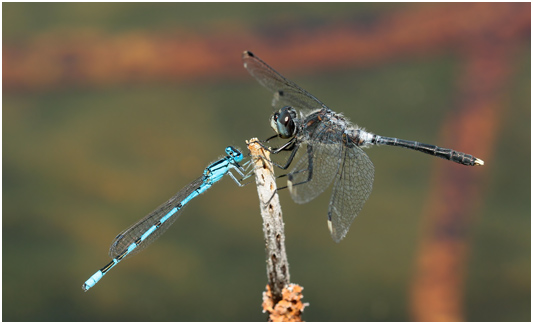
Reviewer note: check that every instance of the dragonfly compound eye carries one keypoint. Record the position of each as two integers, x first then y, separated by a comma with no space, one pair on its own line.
283,122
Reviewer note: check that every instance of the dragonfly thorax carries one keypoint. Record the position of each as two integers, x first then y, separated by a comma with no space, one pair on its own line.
283,122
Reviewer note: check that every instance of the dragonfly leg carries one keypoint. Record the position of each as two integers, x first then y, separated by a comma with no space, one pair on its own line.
309,170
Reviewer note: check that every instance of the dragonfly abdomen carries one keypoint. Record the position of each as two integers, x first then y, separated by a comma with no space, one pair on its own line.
443,153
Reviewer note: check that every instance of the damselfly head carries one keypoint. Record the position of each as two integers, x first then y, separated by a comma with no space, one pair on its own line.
234,153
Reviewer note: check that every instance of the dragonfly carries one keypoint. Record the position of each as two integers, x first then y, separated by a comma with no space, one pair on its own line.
333,148
141,234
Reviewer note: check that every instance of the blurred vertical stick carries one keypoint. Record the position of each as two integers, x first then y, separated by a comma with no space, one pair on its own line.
449,214
281,300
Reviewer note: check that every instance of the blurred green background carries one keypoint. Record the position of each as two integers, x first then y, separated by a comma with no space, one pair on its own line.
82,160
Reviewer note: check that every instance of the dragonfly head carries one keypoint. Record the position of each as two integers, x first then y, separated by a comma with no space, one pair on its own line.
282,122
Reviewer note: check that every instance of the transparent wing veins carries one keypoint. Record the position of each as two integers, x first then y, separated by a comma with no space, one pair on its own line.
286,92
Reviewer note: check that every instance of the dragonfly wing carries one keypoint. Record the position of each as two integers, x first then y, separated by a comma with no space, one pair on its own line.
286,92
351,189
317,167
